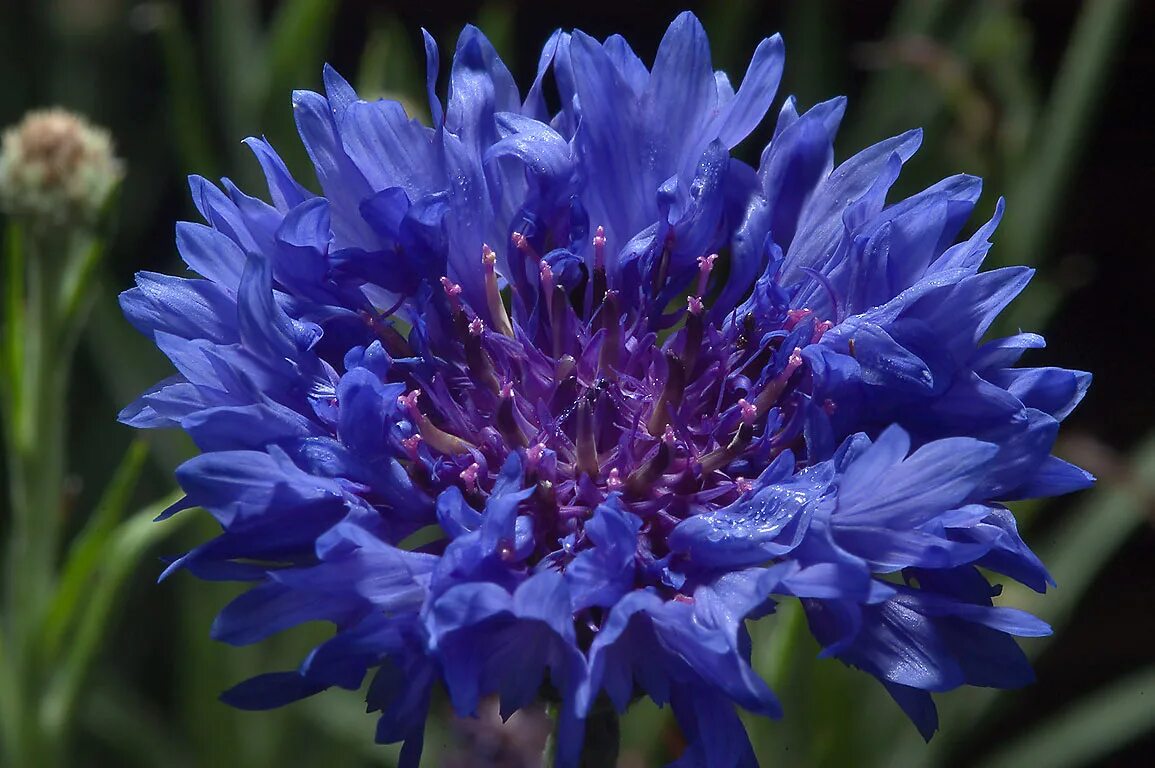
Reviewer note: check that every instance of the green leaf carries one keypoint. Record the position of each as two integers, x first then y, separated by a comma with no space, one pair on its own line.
1090,729
10,703
1040,186
644,728
390,67
496,19
188,111
237,56
815,50
730,25
296,44
130,724
893,94
90,548
74,292
120,557
341,717
775,641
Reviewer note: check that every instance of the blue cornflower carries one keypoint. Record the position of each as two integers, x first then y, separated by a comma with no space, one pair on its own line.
623,450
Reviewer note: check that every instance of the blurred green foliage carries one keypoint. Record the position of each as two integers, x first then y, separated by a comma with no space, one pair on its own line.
181,84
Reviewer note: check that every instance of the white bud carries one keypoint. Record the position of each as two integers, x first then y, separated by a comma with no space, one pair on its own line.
57,169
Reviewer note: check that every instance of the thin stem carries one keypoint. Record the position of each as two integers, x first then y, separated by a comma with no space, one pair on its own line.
38,350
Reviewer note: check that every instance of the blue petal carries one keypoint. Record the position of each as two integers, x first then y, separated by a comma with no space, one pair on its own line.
264,328
1055,391
366,407
284,190
716,737
680,92
821,222
795,162
341,180
1053,477
969,255
432,65
210,253
229,428
887,489
609,147
273,607
240,484
604,574
743,114
918,706
767,523
454,515
191,309
271,690
391,149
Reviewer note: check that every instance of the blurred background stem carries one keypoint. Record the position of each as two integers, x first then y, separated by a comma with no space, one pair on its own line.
35,412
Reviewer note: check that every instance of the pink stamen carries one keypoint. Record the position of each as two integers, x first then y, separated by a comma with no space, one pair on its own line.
795,316
748,409
534,455
768,396
680,598
409,403
453,291
705,266
600,247
469,476
743,485
437,439
493,300
506,390
614,481
694,305
521,243
794,362
476,327
668,436
546,274
820,329
411,444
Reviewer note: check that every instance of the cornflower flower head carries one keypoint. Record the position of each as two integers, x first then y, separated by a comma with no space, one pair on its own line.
548,404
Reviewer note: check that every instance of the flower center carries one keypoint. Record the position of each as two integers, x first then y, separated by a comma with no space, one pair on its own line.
601,406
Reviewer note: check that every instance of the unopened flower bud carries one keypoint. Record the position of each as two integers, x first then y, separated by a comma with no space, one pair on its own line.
57,169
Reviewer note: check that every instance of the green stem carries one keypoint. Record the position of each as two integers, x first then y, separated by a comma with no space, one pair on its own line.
38,351
38,471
